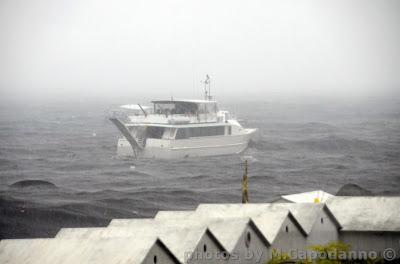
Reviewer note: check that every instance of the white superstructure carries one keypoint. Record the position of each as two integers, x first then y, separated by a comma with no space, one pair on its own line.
174,129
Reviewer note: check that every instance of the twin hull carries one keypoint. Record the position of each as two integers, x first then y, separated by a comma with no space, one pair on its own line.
192,147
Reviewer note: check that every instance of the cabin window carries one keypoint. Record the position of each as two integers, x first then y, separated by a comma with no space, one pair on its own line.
200,132
184,108
229,130
287,229
155,259
205,248
322,220
207,108
169,133
175,108
182,133
155,132
165,108
207,131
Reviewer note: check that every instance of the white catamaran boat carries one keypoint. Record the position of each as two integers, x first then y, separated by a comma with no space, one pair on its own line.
175,129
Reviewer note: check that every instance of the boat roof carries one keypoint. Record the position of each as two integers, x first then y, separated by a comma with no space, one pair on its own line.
183,101
134,107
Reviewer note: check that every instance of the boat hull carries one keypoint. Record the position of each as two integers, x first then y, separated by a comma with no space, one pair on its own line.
192,147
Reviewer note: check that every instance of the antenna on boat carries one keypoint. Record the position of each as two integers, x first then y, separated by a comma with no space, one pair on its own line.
207,88
144,112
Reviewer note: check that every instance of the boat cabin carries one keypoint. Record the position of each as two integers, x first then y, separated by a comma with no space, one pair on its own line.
179,112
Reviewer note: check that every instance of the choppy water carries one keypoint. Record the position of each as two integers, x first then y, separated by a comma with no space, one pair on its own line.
300,147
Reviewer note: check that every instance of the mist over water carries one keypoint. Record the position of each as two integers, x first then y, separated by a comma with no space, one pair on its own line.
71,148
85,48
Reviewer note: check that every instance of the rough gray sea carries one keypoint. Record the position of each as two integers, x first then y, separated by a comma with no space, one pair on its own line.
71,148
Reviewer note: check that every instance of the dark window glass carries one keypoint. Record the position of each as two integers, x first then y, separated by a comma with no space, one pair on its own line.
155,132
171,107
207,131
182,133
220,130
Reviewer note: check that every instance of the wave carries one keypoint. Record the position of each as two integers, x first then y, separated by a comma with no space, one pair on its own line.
196,177
391,156
336,144
78,167
43,221
249,158
316,127
101,210
353,190
264,145
33,184
16,150
6,164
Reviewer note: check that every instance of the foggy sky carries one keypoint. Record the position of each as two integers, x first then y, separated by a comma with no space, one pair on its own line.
96,48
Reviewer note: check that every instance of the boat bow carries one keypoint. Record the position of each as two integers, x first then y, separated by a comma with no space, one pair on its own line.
125,132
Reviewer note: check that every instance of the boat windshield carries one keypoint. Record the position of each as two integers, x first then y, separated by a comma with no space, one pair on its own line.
179,108
184,108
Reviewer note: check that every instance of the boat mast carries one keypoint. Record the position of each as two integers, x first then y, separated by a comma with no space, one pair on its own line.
207,88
